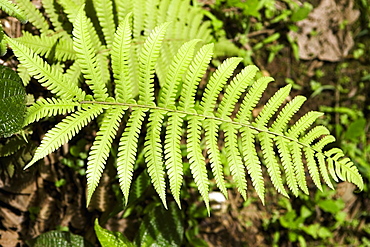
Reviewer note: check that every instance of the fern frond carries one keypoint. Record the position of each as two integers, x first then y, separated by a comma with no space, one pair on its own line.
252,162
71,8
12,10
175,73
272,165
196,70
34,15
100,149
139,17
120,54
48,108
127,151
211,129
64,131
323,170
287,113
323,142
234,159
204,32
47,75
234,90
150,20
314,134
24,74
196,159
61,46
123,8
73,74
163,11
216,83
347,171
286,160
153,154
86,56
251,99
271,106
50,11
147,58
296,151
172,154
312,167
104,11
303,123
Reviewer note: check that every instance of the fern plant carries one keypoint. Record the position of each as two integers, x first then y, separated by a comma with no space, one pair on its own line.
55,41
175,113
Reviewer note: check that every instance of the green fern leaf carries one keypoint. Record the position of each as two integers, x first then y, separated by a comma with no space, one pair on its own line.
234,159
323,170
296,152
271,106
303,123
104,11
85,52
139,18
196,159
252,162
150,20
71,8
148,55
127,151
172,151
34,15
314,134
47,75
12,10
61,45
211,129
100,149
251,99
195,73
216,83
323,142
286,161
51,12
64,131
153,154
123,8
286,114
234,90
175,73
272,165
120,61
312,167
73,74
48,108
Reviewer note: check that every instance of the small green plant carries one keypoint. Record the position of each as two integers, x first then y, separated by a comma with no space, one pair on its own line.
174,106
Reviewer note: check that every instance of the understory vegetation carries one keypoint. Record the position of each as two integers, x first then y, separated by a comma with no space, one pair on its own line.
184,123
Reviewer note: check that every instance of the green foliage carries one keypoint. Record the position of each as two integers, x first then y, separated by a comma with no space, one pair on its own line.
110,239
249,34
298,220
11,9
60,239
176,112
160,227
12,102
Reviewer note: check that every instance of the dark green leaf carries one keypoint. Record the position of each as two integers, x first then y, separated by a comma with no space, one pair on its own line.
110,239
12,102
161,227
59,239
